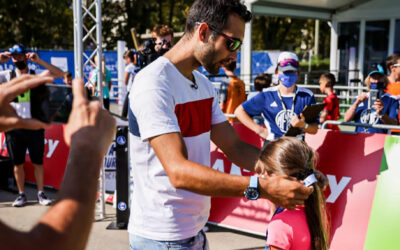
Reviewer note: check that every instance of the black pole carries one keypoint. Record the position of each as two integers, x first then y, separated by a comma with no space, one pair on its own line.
122,179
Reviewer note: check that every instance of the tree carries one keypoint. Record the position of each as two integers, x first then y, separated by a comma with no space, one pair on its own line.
40,24
284,33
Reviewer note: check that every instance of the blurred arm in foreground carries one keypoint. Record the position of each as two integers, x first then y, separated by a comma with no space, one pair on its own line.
67,224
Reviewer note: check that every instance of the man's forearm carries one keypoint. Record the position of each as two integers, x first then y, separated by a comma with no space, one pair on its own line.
244,155
55,71
206,181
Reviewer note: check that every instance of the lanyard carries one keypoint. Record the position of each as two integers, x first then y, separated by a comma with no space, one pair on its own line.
283,104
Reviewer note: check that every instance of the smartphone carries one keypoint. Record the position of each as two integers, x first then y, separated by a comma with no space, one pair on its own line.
51,103
374,94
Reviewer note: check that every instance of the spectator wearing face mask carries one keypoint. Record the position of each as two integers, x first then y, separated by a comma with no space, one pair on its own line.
19,140
280,105
383,111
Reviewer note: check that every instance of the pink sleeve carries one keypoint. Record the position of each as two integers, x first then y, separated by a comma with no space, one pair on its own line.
280,234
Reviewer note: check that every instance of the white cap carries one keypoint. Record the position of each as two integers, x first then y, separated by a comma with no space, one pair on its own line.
286,56
291,65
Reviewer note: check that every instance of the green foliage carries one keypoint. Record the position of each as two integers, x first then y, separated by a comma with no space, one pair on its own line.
317,64
43,24
119,18
293,34
48,24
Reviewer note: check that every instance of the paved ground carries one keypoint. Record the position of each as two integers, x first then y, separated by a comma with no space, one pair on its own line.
101,238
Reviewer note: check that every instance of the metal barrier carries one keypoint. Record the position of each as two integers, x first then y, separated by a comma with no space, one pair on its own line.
346,94
364,125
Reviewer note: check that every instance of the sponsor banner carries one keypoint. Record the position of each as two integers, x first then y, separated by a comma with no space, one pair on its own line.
384,224
54,160
351,163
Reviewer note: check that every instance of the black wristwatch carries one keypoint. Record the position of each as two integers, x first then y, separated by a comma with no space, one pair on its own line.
252,192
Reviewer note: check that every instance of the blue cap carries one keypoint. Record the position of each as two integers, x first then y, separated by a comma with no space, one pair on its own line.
18,48
377,70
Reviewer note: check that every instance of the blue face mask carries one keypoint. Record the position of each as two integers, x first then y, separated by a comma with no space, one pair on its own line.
378,85
288,79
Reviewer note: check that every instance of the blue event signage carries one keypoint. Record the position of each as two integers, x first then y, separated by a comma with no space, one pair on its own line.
65,61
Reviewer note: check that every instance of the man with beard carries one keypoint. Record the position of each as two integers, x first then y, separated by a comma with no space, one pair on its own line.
173,114
19,140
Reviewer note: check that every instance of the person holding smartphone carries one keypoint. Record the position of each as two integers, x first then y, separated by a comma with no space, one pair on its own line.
19,140
369,110
67,224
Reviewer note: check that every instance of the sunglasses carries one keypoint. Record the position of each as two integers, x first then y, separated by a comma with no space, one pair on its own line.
289,62
396,65
16,50
232,43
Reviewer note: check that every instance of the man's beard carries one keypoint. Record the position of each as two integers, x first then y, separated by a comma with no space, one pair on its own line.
209,60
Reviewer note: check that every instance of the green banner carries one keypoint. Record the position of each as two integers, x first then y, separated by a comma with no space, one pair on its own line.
384,223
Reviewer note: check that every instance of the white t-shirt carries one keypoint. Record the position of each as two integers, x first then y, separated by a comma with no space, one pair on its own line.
131,69
163,101
23,107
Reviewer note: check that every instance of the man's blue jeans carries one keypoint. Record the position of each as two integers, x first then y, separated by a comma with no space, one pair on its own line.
198,242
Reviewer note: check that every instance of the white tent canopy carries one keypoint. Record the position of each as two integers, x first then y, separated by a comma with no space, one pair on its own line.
334,11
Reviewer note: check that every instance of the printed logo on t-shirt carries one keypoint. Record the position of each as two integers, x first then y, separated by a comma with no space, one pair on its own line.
283,118
274,105
369,116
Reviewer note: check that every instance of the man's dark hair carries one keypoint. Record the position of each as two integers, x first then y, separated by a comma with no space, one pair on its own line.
215,13
330,79
262,81
392,59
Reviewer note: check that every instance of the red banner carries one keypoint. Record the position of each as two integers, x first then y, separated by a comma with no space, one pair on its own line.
351,163
54,160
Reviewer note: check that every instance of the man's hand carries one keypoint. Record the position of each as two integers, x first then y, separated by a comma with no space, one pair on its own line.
8,91
5,56
284,191
33,57
378,106
89,125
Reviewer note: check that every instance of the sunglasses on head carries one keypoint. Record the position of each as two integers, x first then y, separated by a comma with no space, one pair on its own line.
232,43
289,62
16,50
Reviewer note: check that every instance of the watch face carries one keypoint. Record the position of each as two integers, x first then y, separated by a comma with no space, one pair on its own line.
252,194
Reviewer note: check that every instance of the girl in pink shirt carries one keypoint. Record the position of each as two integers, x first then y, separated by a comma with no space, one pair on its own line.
305,227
